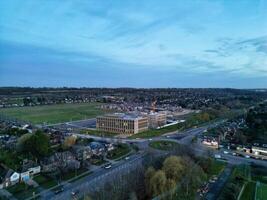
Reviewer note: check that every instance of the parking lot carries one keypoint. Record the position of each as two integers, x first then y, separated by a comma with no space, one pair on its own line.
74,125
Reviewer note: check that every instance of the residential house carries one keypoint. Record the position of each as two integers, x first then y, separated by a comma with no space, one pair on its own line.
8,177
82,153
29,169
97,148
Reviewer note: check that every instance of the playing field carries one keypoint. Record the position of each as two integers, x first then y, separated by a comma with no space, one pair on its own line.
54,113
261,191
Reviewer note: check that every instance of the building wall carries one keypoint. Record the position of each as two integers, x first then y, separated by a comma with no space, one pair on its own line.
120,126
157,119
142,124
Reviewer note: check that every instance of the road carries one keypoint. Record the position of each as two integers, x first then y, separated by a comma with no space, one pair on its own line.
79,124
96,179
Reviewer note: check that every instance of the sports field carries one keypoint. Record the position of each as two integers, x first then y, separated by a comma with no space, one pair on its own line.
51,114
261,191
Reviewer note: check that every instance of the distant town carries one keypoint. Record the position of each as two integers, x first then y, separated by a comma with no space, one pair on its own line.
70,143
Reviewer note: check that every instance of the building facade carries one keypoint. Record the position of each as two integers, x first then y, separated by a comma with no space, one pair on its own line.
157,119
122,123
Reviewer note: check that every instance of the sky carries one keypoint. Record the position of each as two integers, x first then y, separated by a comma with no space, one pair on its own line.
126,43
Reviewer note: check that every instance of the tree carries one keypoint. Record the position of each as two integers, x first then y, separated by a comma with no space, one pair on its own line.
133,196
150,172
158,183
170,187
69,141
173,167
21,141
193,175
37,144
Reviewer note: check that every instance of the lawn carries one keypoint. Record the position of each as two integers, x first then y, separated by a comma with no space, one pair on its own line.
163,145
249,191
216,168
73,174
157,132
261,191
54,113
45,181
97,161
119,151
189,123
259,174
22,191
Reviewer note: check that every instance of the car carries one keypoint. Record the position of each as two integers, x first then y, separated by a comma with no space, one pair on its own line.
225,152
247,156
234,154
150,139
74,193
108,166
218,156
167,136
127,158
212,181
59,189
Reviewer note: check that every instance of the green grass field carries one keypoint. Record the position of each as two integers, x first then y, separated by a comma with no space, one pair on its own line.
216,168
22,191
120,151
163,145
157,132
44,181
261,191
54,113
249,191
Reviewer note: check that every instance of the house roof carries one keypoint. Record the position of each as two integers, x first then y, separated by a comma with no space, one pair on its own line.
96,145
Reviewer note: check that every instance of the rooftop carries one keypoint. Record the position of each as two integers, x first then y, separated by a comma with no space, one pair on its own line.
126,116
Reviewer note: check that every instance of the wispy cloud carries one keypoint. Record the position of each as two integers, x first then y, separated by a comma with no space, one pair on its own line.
192,37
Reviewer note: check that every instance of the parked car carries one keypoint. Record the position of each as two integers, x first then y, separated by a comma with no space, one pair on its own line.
74,193
108,166
59,189
218,156
225,152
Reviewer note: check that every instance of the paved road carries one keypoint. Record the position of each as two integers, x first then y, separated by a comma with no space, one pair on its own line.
79,124
90,182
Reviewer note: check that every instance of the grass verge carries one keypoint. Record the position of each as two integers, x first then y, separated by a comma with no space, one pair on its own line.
119,151
22,191
45,181
163,145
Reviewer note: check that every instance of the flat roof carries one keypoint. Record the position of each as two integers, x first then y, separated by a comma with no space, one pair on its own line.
126,116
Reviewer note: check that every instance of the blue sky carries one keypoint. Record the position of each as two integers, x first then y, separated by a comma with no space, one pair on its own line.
126,43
